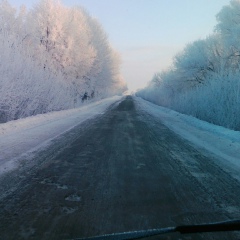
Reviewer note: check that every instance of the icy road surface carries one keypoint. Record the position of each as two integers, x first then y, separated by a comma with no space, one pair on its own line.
121,171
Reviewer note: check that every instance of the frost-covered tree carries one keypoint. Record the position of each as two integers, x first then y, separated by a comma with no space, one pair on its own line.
228,27
8,18
193,62
81,53
107,61
61,35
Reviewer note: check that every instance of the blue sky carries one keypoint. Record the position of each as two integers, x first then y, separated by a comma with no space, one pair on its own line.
148,33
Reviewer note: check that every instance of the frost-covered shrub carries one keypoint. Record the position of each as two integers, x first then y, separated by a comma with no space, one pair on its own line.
217,101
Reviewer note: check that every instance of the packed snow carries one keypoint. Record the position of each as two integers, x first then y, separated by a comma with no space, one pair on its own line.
223,143
24,136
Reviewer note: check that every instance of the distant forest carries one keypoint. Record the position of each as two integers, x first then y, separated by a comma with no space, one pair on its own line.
53,58
204,79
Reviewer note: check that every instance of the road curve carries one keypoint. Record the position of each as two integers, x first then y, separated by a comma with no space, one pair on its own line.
121,171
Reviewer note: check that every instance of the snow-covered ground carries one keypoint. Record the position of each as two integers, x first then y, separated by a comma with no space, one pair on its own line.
221,142
24,136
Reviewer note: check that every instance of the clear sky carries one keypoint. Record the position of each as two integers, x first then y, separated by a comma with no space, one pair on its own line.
148,33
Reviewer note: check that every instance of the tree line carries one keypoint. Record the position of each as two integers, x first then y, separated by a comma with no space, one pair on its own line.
53,57
204,79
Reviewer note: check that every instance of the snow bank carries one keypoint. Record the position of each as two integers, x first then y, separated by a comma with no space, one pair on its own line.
26,135
222,142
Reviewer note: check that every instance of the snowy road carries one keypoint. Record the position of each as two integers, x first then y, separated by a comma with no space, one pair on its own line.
120,171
